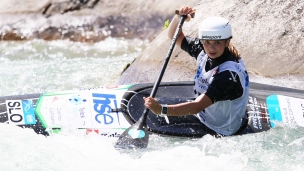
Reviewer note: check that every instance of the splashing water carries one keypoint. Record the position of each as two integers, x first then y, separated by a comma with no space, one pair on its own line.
39,66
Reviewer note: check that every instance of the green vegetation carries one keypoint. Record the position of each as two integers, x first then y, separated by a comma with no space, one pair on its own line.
166,24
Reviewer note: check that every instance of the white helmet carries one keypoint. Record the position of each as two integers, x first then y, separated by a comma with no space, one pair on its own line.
215,28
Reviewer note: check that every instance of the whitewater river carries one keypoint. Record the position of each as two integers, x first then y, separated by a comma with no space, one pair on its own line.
39,66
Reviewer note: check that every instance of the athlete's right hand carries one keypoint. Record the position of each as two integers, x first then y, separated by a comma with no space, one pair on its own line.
185,10
153,105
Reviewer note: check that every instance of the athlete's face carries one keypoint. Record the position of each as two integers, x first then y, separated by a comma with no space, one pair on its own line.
215,48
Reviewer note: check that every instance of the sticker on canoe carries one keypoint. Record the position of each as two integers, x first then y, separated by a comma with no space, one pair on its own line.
288,110
20,112
82,109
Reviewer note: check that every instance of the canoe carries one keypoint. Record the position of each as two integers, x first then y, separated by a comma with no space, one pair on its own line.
111,110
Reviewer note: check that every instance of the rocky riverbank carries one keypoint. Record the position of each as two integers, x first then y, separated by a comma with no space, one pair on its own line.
84,20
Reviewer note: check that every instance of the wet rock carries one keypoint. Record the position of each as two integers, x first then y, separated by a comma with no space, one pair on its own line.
268,34
62,7
84,20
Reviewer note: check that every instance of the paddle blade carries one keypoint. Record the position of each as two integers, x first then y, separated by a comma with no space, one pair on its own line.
136,136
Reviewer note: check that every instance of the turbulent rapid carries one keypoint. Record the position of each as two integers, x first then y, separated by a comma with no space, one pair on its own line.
39,66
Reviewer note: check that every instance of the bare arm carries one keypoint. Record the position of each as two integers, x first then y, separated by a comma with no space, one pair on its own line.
181,109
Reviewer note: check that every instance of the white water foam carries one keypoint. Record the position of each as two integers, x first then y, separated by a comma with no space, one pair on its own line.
37,66
277,149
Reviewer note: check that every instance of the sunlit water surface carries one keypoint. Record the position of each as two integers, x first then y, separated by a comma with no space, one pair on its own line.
39,66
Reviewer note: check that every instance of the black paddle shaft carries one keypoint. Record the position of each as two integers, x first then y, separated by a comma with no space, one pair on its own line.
160,76
137,135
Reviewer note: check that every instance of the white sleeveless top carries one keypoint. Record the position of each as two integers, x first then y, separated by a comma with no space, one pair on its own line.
224,117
